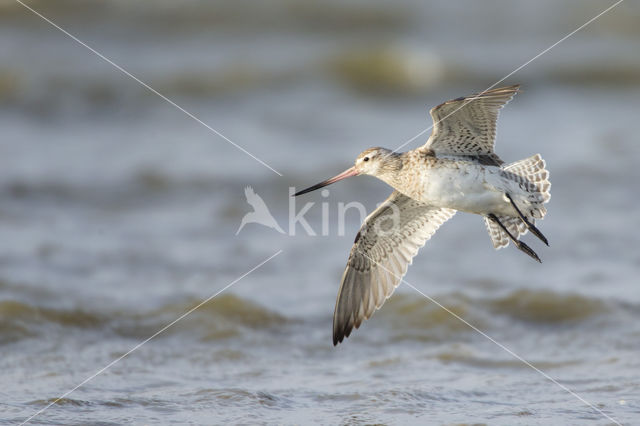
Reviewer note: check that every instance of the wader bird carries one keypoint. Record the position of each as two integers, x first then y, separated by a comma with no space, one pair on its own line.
455,170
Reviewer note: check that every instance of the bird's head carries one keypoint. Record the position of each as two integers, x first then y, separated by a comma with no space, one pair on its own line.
372,161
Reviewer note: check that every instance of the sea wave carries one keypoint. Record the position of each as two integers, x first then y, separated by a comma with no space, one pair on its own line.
406,317
546,306
19,320
462,356
403,318
225,316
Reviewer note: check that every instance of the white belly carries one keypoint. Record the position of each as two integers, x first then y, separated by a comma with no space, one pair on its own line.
469,188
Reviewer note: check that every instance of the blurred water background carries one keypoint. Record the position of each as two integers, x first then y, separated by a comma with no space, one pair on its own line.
118,213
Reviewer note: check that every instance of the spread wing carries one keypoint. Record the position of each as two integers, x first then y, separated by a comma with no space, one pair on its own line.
384,247
466,127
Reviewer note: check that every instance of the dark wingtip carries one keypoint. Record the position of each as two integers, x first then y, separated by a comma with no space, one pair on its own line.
339,334
338,337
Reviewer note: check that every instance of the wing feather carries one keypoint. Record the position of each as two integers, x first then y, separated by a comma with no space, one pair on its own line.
380,256
466,127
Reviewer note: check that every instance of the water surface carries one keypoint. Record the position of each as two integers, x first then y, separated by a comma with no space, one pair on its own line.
118,214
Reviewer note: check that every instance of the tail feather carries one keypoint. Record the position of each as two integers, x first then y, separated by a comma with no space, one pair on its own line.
498,237
533,178
531,175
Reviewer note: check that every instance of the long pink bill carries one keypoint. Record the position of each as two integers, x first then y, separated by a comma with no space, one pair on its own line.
347,173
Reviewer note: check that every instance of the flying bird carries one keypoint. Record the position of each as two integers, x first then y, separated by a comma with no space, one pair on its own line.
456,169
260,213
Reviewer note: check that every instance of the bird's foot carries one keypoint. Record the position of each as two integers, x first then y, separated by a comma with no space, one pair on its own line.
526,249
530,226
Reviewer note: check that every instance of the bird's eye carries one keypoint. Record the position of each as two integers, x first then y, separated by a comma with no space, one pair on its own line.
365,159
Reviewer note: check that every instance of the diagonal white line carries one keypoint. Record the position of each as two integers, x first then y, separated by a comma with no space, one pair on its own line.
145,85
500,345
513,72
136,347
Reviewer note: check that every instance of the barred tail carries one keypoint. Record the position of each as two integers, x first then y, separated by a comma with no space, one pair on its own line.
498,237
534,179
531,175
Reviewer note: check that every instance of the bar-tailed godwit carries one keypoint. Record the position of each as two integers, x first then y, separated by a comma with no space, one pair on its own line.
455,170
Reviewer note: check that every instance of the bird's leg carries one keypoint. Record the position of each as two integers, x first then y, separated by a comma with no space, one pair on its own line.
535,231
521,246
